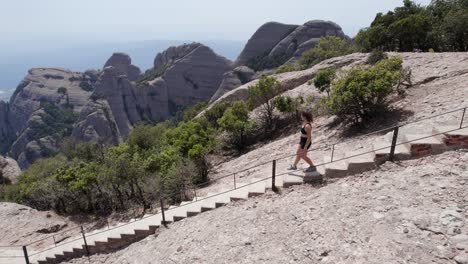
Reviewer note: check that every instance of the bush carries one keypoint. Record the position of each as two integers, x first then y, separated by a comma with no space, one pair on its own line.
442,26
235,122
213,114
322,81
327,47
286,68
288,105
266,61
375,56
261,94
86,86
362,93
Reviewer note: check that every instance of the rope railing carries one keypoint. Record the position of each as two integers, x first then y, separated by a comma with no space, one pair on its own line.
197,198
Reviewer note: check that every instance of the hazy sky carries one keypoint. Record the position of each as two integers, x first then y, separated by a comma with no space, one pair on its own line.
65,21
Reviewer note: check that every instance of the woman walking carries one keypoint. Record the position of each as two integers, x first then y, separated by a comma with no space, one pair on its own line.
304,143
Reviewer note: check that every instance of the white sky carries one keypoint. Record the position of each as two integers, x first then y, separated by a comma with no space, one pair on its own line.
65,21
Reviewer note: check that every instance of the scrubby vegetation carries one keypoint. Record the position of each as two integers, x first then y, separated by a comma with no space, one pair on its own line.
322,81
152,74
86,86
235,121
286,68
362,93
327,47
265,61
375,56
441,26
261,94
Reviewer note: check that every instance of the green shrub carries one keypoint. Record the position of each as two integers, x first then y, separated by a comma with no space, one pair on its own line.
261,94
322,81
213,114
327,47
362,93
86,86
152,74
266,61
286,68
442,26
235,122
288,105
375,56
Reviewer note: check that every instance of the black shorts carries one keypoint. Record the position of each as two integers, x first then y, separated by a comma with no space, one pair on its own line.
303,142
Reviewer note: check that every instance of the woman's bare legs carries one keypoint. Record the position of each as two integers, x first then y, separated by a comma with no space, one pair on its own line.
298,156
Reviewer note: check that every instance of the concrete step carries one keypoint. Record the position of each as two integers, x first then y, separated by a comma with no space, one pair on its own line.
336,169
358,162
192,207
293,178
257,187
239,194
454,136
382,149
425,144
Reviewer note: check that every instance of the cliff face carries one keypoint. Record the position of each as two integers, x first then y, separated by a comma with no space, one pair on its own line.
104,105
274,44
279,42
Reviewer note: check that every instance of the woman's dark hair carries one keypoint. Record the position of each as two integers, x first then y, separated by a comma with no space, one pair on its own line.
308,116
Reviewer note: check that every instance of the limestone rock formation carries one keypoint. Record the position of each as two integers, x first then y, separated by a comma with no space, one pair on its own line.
60,91
5,132
233,79
264,40
190,73
9,170
274,43
122,64
97,123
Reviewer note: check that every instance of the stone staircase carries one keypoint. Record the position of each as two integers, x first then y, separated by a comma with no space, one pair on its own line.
414,145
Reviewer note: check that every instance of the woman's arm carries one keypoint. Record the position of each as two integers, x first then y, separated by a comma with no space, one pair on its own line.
308,129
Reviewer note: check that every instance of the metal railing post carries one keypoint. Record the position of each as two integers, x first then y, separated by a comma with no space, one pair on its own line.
235,187
391,157
162,211
55,242
333,152
84,239
195,192
26,256
463,117
273,175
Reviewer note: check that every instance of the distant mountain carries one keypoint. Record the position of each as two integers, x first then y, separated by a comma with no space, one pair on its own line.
14,65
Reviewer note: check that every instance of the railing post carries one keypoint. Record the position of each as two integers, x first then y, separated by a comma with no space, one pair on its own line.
273,175
55,243
391,157
463,117
84,239
162,210
235,187
26,256
333,152
195,192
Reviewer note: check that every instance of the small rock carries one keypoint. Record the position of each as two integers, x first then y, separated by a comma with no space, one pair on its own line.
248,243
179,249
377,215
461,259
406,231
461,246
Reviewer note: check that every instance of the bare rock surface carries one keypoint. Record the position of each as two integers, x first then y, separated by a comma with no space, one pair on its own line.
122,63
22,225
9,169
233,79
264,40
411,212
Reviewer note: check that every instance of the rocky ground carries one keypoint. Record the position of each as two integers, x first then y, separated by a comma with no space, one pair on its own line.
410,212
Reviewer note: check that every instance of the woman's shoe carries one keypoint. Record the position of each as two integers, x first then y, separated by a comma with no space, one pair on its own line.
292,167
311,169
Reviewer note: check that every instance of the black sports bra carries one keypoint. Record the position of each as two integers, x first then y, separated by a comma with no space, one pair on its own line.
303,131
